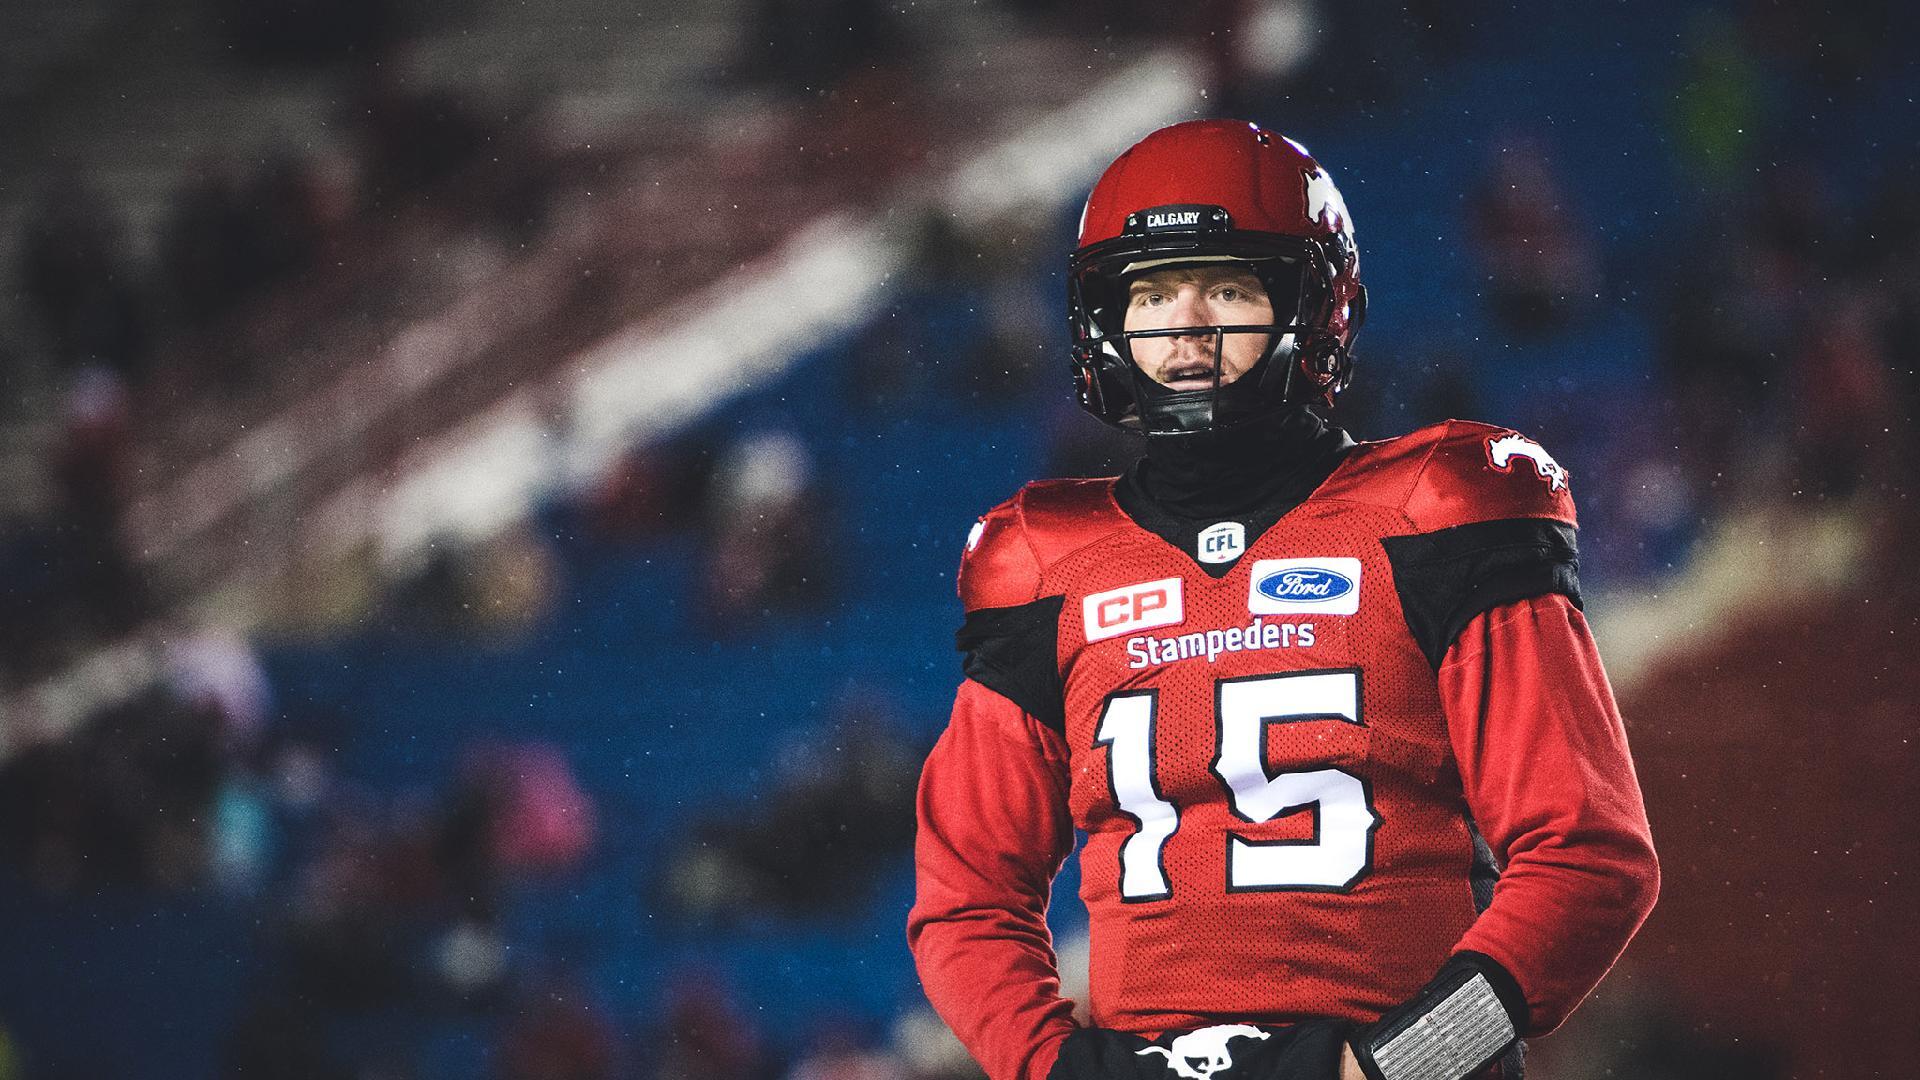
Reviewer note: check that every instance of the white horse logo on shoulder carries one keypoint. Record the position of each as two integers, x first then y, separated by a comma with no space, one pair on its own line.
1501,452
1208,1047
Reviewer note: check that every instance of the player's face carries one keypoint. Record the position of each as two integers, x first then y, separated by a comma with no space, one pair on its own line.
1225,294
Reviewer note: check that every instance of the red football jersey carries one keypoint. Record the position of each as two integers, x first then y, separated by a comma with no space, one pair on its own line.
1283,749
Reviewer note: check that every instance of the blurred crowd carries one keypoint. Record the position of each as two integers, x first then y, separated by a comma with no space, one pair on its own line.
839,814
72,583
236,231
1784,373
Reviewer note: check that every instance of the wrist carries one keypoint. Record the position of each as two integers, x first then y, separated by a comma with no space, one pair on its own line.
1459,1022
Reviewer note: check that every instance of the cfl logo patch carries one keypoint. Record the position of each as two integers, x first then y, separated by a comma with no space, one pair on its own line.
1133,607
1222,543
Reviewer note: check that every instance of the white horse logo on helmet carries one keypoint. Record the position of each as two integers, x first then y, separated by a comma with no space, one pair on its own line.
1325,207
1208,1047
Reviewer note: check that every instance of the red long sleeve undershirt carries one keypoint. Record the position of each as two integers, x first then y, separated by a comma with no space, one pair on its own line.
1544,765
994,830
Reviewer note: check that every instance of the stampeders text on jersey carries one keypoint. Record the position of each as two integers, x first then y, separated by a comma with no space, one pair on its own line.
1147,650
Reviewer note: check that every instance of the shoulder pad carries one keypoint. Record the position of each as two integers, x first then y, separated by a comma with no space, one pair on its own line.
1477,472
1012,545
998,567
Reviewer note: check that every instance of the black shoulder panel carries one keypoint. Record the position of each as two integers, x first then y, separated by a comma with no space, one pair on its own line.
1014,652
1447,577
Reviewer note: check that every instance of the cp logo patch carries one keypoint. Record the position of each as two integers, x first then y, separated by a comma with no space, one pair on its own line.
1133,607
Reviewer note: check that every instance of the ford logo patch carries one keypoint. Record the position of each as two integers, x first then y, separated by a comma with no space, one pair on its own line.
1304,585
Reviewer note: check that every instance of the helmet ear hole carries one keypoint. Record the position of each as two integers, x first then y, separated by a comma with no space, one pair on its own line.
1323,363
1357,309
1321,360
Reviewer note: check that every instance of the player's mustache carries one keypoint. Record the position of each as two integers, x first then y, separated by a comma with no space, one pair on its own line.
1201,349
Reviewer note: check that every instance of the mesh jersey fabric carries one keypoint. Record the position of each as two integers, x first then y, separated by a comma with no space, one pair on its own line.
1210,953
1210,948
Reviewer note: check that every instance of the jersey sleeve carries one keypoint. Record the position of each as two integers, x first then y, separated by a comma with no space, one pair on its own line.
1544,765
994,830
1009,641
1493,522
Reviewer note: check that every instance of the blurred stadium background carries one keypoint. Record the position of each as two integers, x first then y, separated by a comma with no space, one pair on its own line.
480,482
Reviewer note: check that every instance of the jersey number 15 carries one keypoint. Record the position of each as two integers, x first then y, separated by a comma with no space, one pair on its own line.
1332,860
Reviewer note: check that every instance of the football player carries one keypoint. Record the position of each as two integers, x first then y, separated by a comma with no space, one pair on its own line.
1356,796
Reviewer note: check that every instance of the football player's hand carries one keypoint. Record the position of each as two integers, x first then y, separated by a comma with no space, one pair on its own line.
1350,1065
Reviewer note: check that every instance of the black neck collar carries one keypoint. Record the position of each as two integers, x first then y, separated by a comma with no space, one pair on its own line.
1253,475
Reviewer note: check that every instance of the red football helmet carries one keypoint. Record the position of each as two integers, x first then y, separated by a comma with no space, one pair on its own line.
1207,191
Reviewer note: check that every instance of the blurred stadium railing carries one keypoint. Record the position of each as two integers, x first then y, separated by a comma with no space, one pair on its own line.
507,374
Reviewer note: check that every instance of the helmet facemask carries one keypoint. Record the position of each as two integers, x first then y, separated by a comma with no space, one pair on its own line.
1300,362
